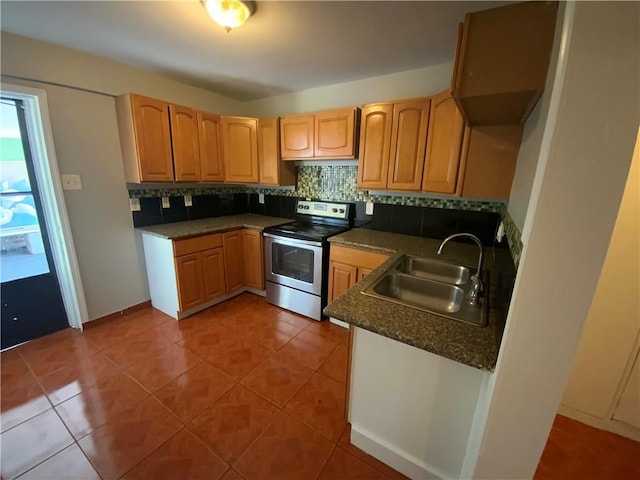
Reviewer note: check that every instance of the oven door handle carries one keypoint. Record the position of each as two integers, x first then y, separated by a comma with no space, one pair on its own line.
292,241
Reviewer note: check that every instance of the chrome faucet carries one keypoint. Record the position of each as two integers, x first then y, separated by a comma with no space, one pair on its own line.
476,283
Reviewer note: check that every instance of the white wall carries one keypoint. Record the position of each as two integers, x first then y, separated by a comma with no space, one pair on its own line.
585,159
41,61
86,141
412,83
608,345
532,138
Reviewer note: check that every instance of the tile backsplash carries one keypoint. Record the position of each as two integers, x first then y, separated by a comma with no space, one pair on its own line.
411,214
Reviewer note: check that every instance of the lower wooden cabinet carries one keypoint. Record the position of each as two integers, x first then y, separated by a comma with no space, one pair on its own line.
191,274
233,261
253,248
347,266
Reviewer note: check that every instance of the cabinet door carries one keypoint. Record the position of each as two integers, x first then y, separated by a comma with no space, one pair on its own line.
335,133
444,145
153,140
341,278
213,273
184,143
408,141
272,172
375,141
233,263
240,143
363,272
190,283
210,143
252,246
296,137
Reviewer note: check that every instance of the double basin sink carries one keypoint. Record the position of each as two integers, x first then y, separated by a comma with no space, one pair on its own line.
432,286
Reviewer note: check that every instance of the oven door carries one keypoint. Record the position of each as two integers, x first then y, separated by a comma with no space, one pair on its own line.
294,263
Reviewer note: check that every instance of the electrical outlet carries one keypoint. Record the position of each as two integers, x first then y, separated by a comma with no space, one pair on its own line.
261,198
369,208
165,202
71,182
188,201
134,203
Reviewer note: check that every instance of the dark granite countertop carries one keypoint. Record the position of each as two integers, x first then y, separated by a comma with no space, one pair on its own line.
474,346
192,228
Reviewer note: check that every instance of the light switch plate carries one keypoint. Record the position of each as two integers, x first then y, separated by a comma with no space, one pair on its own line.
134,203
261,198
187,201
165,202
369,208
71,182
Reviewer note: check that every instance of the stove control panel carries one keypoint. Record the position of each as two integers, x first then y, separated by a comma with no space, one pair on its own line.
323,209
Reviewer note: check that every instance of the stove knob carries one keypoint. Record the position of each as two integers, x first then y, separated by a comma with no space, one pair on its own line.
334,210
342,210
306,207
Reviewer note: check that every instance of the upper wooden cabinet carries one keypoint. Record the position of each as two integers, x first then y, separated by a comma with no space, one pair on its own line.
335,134
273,171
184,143
375,141
444,146
210,144
145,138
393,138
491,161
320,135
408,141
502,60
240,146
296,136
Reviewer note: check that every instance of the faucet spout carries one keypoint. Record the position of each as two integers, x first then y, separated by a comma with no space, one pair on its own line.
476,283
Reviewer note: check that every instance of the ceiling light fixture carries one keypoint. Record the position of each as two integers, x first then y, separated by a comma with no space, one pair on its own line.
229,14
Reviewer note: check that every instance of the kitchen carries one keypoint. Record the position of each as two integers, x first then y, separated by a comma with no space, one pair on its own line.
107,292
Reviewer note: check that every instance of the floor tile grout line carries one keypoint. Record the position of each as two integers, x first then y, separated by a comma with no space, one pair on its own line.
326,461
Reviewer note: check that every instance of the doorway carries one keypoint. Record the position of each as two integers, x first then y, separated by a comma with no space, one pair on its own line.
32,303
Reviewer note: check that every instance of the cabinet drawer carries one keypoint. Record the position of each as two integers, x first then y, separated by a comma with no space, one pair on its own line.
196,244
359,258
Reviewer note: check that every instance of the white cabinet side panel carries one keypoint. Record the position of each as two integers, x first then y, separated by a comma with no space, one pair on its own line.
161,274
418,404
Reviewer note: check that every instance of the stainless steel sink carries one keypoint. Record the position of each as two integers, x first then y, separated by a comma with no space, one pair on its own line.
431,286
434,270
420,292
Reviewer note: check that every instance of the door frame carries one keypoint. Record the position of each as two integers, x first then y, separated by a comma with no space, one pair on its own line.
45,165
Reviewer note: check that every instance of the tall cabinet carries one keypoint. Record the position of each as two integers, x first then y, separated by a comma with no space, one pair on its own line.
240,145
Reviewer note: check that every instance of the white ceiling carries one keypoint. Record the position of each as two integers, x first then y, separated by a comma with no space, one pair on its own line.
285,47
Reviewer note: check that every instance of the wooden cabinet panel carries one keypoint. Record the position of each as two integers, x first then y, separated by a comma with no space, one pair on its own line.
297,137
240,145
196,244
502,60
341,278
210,147
253,248
408,141
363,272
213,273
444,145
272,169
491,161
152,138
335,133
233,261
375,141
184,143
190,283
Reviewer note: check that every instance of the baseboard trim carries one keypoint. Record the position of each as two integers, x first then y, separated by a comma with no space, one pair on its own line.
112,316
612,425
216,301
386,453
340,323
